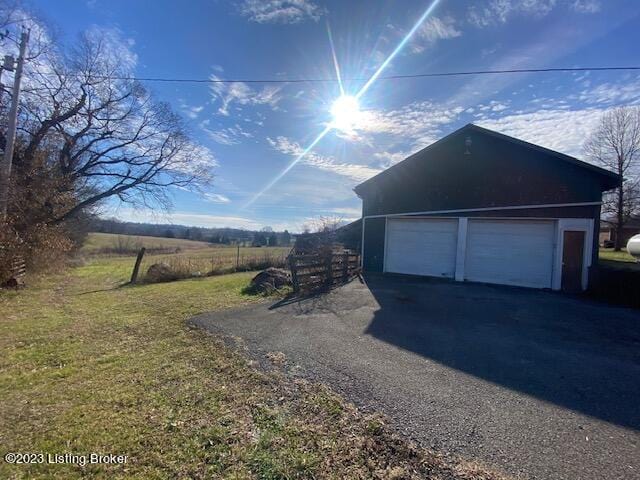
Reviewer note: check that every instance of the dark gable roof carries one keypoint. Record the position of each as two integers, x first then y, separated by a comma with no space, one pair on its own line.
609,179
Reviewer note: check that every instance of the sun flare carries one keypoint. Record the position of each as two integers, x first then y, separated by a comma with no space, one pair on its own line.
346,112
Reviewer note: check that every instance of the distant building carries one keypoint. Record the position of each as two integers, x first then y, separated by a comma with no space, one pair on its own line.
608,232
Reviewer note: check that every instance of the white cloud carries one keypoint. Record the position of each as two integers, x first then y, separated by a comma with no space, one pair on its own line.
432,30
185,218
347,213
194,111
493,106
356,172
228,136
116,52
190,111
192,158
586,6
320,191
498,106
558,129
217,198
120,49
554,44
611,93
417,122
281,11
388,159
493,12
293,222
240,93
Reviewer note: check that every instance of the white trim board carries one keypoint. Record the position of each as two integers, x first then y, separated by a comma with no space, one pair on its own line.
573,224
362,245
461,248
487,209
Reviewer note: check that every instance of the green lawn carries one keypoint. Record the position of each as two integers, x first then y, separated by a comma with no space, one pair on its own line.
621,256
88,366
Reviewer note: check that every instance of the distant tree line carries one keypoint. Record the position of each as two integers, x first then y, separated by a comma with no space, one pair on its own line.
223,236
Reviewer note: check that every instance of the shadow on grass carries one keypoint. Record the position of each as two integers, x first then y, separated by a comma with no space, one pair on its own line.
108,289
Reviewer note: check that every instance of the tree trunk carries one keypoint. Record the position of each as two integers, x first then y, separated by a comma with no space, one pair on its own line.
620,220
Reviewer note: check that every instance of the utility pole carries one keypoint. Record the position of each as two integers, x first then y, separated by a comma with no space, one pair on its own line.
5,167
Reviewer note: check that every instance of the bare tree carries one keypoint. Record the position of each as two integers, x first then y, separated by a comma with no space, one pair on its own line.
104,135
327,224
87,132
322,224
615,145
13,19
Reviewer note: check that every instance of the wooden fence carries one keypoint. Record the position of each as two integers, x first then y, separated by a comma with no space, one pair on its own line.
315,271
17,272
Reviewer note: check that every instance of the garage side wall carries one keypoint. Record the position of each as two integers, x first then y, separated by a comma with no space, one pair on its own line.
373,244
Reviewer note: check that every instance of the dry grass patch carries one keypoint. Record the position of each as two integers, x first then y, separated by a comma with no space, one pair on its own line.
116,244
86,366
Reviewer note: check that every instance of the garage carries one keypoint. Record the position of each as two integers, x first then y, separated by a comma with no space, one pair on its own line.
422,246
480,206
510,252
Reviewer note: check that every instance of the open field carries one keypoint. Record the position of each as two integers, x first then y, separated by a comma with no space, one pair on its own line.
216,260
186,258
111,243
89,366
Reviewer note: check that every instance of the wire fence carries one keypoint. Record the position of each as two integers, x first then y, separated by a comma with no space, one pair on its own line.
227,260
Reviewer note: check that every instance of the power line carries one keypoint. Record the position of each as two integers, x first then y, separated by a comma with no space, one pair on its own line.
384,77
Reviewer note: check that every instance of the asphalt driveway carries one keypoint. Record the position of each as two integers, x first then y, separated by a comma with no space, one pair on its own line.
536,383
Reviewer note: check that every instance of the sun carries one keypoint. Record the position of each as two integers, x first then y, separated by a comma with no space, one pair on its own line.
346,112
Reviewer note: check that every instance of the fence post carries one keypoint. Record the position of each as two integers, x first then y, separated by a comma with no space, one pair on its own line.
345,265
294,273
238,257
136,267
329,267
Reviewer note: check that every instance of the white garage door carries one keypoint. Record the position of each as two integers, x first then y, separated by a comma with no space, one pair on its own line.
510,252
421,246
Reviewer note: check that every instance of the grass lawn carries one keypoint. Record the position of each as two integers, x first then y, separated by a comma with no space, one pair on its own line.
621,256
86,367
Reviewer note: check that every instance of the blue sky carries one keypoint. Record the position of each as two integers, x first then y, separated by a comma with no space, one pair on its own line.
254,131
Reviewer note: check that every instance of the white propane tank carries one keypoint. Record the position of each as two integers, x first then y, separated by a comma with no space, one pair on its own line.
633,246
